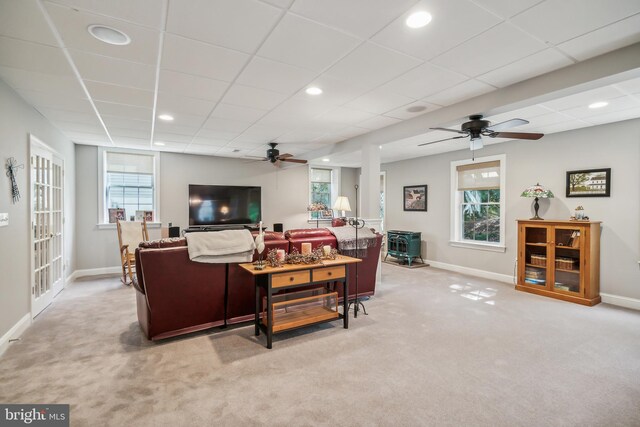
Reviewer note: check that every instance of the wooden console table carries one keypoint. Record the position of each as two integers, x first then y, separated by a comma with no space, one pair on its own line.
294,312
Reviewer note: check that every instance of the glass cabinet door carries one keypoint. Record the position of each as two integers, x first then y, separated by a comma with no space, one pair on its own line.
567,249
535,255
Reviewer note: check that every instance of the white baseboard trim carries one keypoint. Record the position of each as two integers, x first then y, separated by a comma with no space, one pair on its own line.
93,272
621,301
15,332
471,271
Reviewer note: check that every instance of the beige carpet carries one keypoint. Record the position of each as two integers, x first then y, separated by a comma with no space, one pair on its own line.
436,349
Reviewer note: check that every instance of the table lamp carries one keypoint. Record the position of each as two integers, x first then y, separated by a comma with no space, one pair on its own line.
317,207
342,204
539,192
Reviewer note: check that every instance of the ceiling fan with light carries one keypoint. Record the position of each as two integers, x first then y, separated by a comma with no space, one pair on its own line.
476,128
274,156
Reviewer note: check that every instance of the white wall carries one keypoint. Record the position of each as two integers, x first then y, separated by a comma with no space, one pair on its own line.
284,196
17,121
546,161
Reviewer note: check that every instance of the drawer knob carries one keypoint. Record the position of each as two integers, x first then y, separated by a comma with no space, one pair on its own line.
291,279
329,274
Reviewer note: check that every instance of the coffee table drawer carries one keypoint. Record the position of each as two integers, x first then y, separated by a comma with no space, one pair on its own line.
292,278
328,273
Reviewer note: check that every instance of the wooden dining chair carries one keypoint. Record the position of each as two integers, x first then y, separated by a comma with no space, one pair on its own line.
130,234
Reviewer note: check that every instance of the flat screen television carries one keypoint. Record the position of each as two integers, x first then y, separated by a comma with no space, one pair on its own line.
224,205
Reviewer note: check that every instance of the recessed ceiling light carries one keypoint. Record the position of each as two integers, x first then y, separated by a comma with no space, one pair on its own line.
325,160
109,35
416,109
418,19
599,104
313,90
160,144
166,117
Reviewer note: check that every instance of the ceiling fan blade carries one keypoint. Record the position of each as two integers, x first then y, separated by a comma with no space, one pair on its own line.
516,135
285,155
293,160
508,124
449,130
277,164
440,140
256,157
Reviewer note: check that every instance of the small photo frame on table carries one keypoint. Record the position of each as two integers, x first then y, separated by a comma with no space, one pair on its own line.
589,183
415,198
115,215
148,216
328,214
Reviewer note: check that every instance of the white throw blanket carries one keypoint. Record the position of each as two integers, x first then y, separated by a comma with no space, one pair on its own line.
221,246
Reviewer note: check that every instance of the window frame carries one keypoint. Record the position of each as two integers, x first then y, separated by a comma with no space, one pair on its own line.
335,189
457,199
103,214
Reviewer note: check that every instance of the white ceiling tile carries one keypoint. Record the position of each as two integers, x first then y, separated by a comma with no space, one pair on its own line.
412,110
564,126
124,111
603,40
210,142
299,136
264,132
217,134
275,76
54,100
128,142
168,103
176,147
583,99
114,71
378,122
94,127
66,85
556,21
72,25
343,115
506,8
247,96
237,24
304,43
540,122
201,149
379,101
194,57
14,16
182,124
458,93
466,60
334,91
130,133
629,86
88,138
246,144
237,112
55,115
349,132
30,56
373,64
453,22
191,85
144,12
360,17
424,80
615,104
295,112
631,113
225,125
119,94
127,123
525,113
523,69
284,4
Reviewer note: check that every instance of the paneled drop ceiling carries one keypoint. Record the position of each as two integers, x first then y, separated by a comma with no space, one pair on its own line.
233,73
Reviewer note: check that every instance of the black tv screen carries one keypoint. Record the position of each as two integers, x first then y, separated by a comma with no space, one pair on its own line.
224,205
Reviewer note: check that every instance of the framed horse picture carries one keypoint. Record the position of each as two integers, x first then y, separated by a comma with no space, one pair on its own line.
415,198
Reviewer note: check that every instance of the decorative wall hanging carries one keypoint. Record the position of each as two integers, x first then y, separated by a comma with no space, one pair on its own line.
11,166
415,198
589,183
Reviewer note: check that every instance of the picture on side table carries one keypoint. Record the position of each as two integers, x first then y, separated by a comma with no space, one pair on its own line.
415,198
328,214
589,183
115,215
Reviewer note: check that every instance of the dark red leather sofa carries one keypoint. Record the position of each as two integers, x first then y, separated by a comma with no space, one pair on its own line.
177,296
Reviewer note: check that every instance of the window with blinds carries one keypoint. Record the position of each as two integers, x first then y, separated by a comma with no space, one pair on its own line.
479,200
129,182
320,188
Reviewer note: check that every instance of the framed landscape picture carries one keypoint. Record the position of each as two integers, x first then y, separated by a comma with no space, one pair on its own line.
589,183
415,198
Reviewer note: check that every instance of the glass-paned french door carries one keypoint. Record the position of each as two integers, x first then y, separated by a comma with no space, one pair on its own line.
47,217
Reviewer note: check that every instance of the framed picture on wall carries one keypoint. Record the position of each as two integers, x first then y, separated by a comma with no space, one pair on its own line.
415,198
589,183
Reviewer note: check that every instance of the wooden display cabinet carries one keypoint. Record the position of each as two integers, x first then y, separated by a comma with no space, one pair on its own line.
560,259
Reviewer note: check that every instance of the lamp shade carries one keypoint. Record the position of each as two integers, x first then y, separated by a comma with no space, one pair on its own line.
342,204
537,191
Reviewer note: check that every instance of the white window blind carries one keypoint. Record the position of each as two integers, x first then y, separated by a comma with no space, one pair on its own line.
479,176
129,163
129,182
